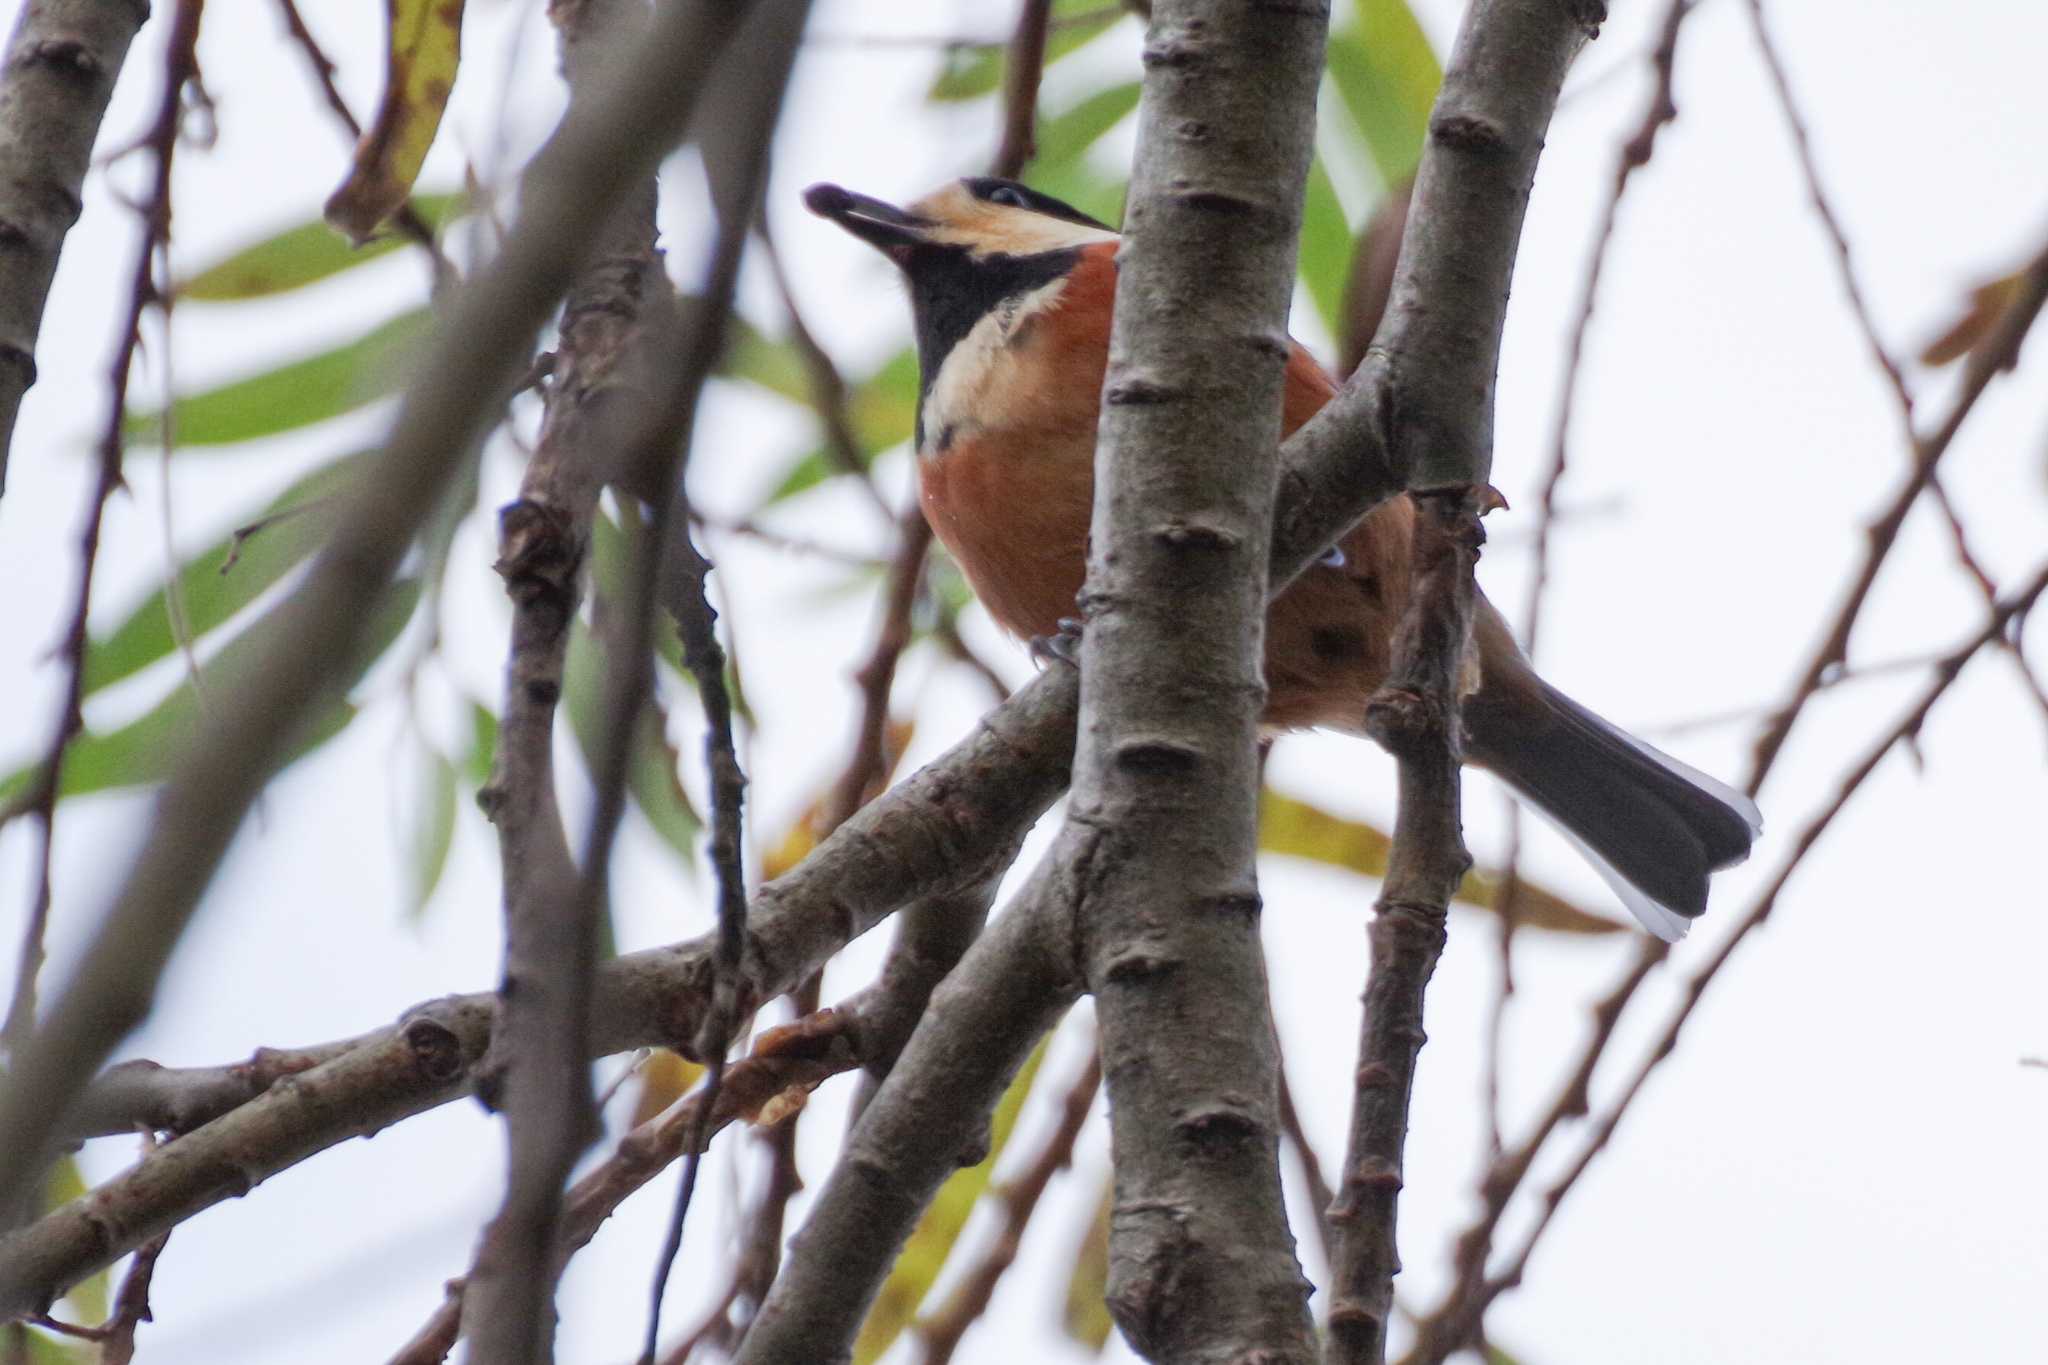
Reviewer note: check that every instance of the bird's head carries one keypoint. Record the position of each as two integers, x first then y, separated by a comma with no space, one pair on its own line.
981,257
980,220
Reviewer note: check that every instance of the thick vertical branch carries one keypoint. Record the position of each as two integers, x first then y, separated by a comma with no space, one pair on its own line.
1164,808
1415,716
55,80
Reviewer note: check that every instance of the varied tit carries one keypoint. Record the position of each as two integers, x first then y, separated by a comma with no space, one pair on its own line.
1011,294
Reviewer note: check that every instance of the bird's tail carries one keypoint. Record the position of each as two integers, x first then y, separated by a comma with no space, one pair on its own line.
1653,827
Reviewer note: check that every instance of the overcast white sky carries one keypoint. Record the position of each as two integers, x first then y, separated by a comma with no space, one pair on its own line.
1843,1161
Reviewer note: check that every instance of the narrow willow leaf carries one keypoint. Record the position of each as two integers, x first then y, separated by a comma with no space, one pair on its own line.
423,49
651,779
1387,75
971,72
433,830
296,394
44,1349
145,749
1301,829
924,1255
303,255
227,575
1085,1315
483,744
1065,137
776,366
1325,247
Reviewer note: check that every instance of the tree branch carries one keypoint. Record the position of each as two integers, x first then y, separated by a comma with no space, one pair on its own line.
983,1021
181,69
55,80
1162,832
601,394
604,146
1415,717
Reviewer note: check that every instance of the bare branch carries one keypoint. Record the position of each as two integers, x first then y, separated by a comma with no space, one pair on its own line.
605,145
1986,360
1455,1322
766,1087
56,77
1022,71
1414,716
984,1019
600,398
181,69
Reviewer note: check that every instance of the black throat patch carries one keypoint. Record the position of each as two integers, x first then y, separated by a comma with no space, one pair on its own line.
951,292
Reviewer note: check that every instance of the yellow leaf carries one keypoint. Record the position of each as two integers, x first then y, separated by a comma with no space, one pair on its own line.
1301,829
665,1078
419,73
924,1255
1980,315
1086,1318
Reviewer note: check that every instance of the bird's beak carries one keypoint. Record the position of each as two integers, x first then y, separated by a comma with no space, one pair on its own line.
883,226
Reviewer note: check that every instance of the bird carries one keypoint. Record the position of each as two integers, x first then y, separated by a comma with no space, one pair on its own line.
1011,293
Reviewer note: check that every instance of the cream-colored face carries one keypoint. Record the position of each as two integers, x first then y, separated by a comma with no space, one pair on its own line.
960,218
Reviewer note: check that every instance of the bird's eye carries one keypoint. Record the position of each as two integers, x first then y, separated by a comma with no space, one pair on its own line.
1007,195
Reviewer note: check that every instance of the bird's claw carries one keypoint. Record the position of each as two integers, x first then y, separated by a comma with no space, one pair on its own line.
1064,646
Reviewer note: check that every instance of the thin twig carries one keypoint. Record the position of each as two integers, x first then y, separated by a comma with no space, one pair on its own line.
1451,1326
766,1088
299,654
1859,309
1985,361
1024,67
740,172
181,70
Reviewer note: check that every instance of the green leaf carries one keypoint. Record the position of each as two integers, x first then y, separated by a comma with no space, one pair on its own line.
973,71
303,255
424,48
433,827
42,1348
1301,829
65,1183
1325,247
145,749
217,582
483,744
883,406
776,366
1065,137
924,1255
651,769
296,394
1387,75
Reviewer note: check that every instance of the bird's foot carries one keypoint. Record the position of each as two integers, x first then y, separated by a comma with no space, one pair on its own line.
1064,646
